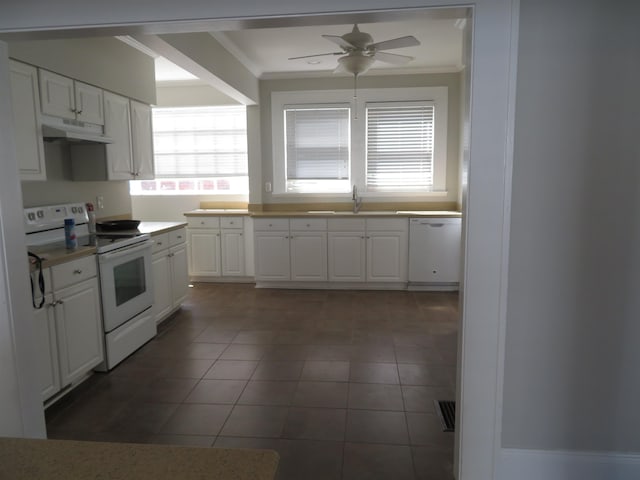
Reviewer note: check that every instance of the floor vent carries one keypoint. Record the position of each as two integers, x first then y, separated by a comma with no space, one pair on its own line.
447,412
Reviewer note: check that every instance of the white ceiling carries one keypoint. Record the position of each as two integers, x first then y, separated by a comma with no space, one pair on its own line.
265,51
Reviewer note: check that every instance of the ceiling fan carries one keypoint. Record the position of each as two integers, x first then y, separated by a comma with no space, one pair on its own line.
359,51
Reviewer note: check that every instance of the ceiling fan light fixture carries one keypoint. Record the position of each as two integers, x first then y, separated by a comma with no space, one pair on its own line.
356,63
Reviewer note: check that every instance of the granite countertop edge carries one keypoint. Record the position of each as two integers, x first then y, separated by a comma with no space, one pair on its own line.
322,214
23,459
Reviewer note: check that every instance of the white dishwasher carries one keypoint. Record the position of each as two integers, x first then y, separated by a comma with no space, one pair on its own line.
434,251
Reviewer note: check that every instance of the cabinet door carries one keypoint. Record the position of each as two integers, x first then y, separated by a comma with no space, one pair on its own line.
57,96
346,256
46,349
387,256
79,329
26,120
89,104
179,274
142,141
160,265
272,256
204,253
233,253
309,256
117,125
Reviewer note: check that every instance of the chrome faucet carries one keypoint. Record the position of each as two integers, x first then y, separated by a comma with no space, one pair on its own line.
357,201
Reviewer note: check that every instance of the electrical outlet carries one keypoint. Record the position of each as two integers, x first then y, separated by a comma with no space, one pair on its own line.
99,202
267,186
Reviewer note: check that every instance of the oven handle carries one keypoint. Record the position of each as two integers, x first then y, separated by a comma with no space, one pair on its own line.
106,257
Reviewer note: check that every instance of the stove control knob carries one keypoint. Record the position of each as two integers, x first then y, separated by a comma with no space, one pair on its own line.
74,209
40,213
80,209
31,216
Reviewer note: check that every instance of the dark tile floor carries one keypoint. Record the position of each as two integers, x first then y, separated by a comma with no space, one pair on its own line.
340,383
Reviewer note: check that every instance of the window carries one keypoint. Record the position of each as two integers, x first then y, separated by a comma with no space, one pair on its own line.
399,146
317,147
198,150
388,142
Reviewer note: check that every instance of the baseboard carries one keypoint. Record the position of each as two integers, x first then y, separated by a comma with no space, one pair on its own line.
519,464
331,285
221,279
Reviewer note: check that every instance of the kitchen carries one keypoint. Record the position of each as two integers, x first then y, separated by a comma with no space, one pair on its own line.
477,191
59,168
533,308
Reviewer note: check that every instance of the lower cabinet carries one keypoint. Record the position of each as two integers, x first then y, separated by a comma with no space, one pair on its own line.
68,328
293,249
216,247
368,250
170,277
79,329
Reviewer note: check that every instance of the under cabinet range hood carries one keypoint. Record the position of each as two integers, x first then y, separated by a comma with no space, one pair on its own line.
73,131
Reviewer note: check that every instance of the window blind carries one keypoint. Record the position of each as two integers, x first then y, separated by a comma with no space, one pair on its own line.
317,143
200,142
399,146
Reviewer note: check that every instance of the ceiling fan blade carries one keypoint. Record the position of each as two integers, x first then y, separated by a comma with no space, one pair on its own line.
401,42
317,55
393,58
339,41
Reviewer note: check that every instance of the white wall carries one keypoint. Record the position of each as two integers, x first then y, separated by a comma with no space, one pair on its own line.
190,96
572,357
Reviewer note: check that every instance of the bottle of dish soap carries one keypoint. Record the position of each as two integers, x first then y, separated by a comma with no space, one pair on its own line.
71,241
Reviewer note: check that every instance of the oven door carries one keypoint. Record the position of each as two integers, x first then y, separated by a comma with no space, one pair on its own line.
125,283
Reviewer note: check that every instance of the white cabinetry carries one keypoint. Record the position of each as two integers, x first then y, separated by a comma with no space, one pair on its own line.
293,249
170,279
46,343
67,98
141,141
371,250
216,247
117,125
232,246
435,245
129,156
26,119
347,250
308,249
387,249
68,328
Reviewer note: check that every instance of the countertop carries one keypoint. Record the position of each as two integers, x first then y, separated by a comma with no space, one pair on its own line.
28,459
56,253
156,228
324,213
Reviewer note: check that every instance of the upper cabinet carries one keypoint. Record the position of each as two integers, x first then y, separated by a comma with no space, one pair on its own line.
67,98
130,155
128,123
26,119
142,141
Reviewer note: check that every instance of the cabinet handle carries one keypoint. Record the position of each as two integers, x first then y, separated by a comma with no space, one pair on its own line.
79,112
435,225
230,223
362,237
159,243
368,237
73,110
52,304
217,234
240,234
77,271
59,302
201,223
179,237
